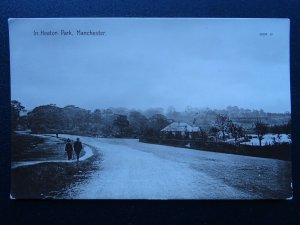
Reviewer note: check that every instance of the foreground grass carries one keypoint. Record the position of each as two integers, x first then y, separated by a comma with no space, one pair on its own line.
46,180
49,180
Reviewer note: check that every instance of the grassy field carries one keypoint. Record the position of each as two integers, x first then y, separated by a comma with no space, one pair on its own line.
46,180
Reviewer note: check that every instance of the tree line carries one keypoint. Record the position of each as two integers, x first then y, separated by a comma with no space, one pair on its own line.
121,122
74,120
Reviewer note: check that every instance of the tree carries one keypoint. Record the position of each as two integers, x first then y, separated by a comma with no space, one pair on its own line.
122,123
16,108
108,118
138,122
222,123
156,123
260,129
153,111
282,129
95,122
76,120
46,118
172,113
236,131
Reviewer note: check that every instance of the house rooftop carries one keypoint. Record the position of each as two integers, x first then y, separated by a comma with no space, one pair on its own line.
180,127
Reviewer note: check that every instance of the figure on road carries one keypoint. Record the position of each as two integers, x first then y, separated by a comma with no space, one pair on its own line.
69,149
77,148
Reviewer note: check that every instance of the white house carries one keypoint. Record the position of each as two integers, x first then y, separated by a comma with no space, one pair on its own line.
180,129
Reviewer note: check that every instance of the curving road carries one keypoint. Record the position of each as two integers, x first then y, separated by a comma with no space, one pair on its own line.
134,170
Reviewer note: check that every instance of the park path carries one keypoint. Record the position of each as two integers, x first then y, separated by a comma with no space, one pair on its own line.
134,170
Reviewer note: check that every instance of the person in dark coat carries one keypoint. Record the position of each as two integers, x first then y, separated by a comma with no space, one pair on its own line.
69,149
77,148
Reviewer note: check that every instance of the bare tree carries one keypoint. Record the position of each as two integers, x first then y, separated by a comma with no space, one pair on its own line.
236,131
222,123
260,129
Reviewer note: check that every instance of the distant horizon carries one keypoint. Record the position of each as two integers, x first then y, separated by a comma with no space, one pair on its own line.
150,107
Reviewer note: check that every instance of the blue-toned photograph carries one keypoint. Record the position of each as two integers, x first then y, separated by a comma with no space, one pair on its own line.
150,108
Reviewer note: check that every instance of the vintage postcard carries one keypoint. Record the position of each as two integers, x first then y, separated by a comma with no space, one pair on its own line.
150,108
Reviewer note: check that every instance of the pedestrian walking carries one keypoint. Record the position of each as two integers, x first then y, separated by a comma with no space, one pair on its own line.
69,149
77,148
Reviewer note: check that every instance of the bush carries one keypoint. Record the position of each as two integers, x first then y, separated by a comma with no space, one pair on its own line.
278,151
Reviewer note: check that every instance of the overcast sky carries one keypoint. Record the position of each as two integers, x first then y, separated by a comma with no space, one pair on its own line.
144,63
